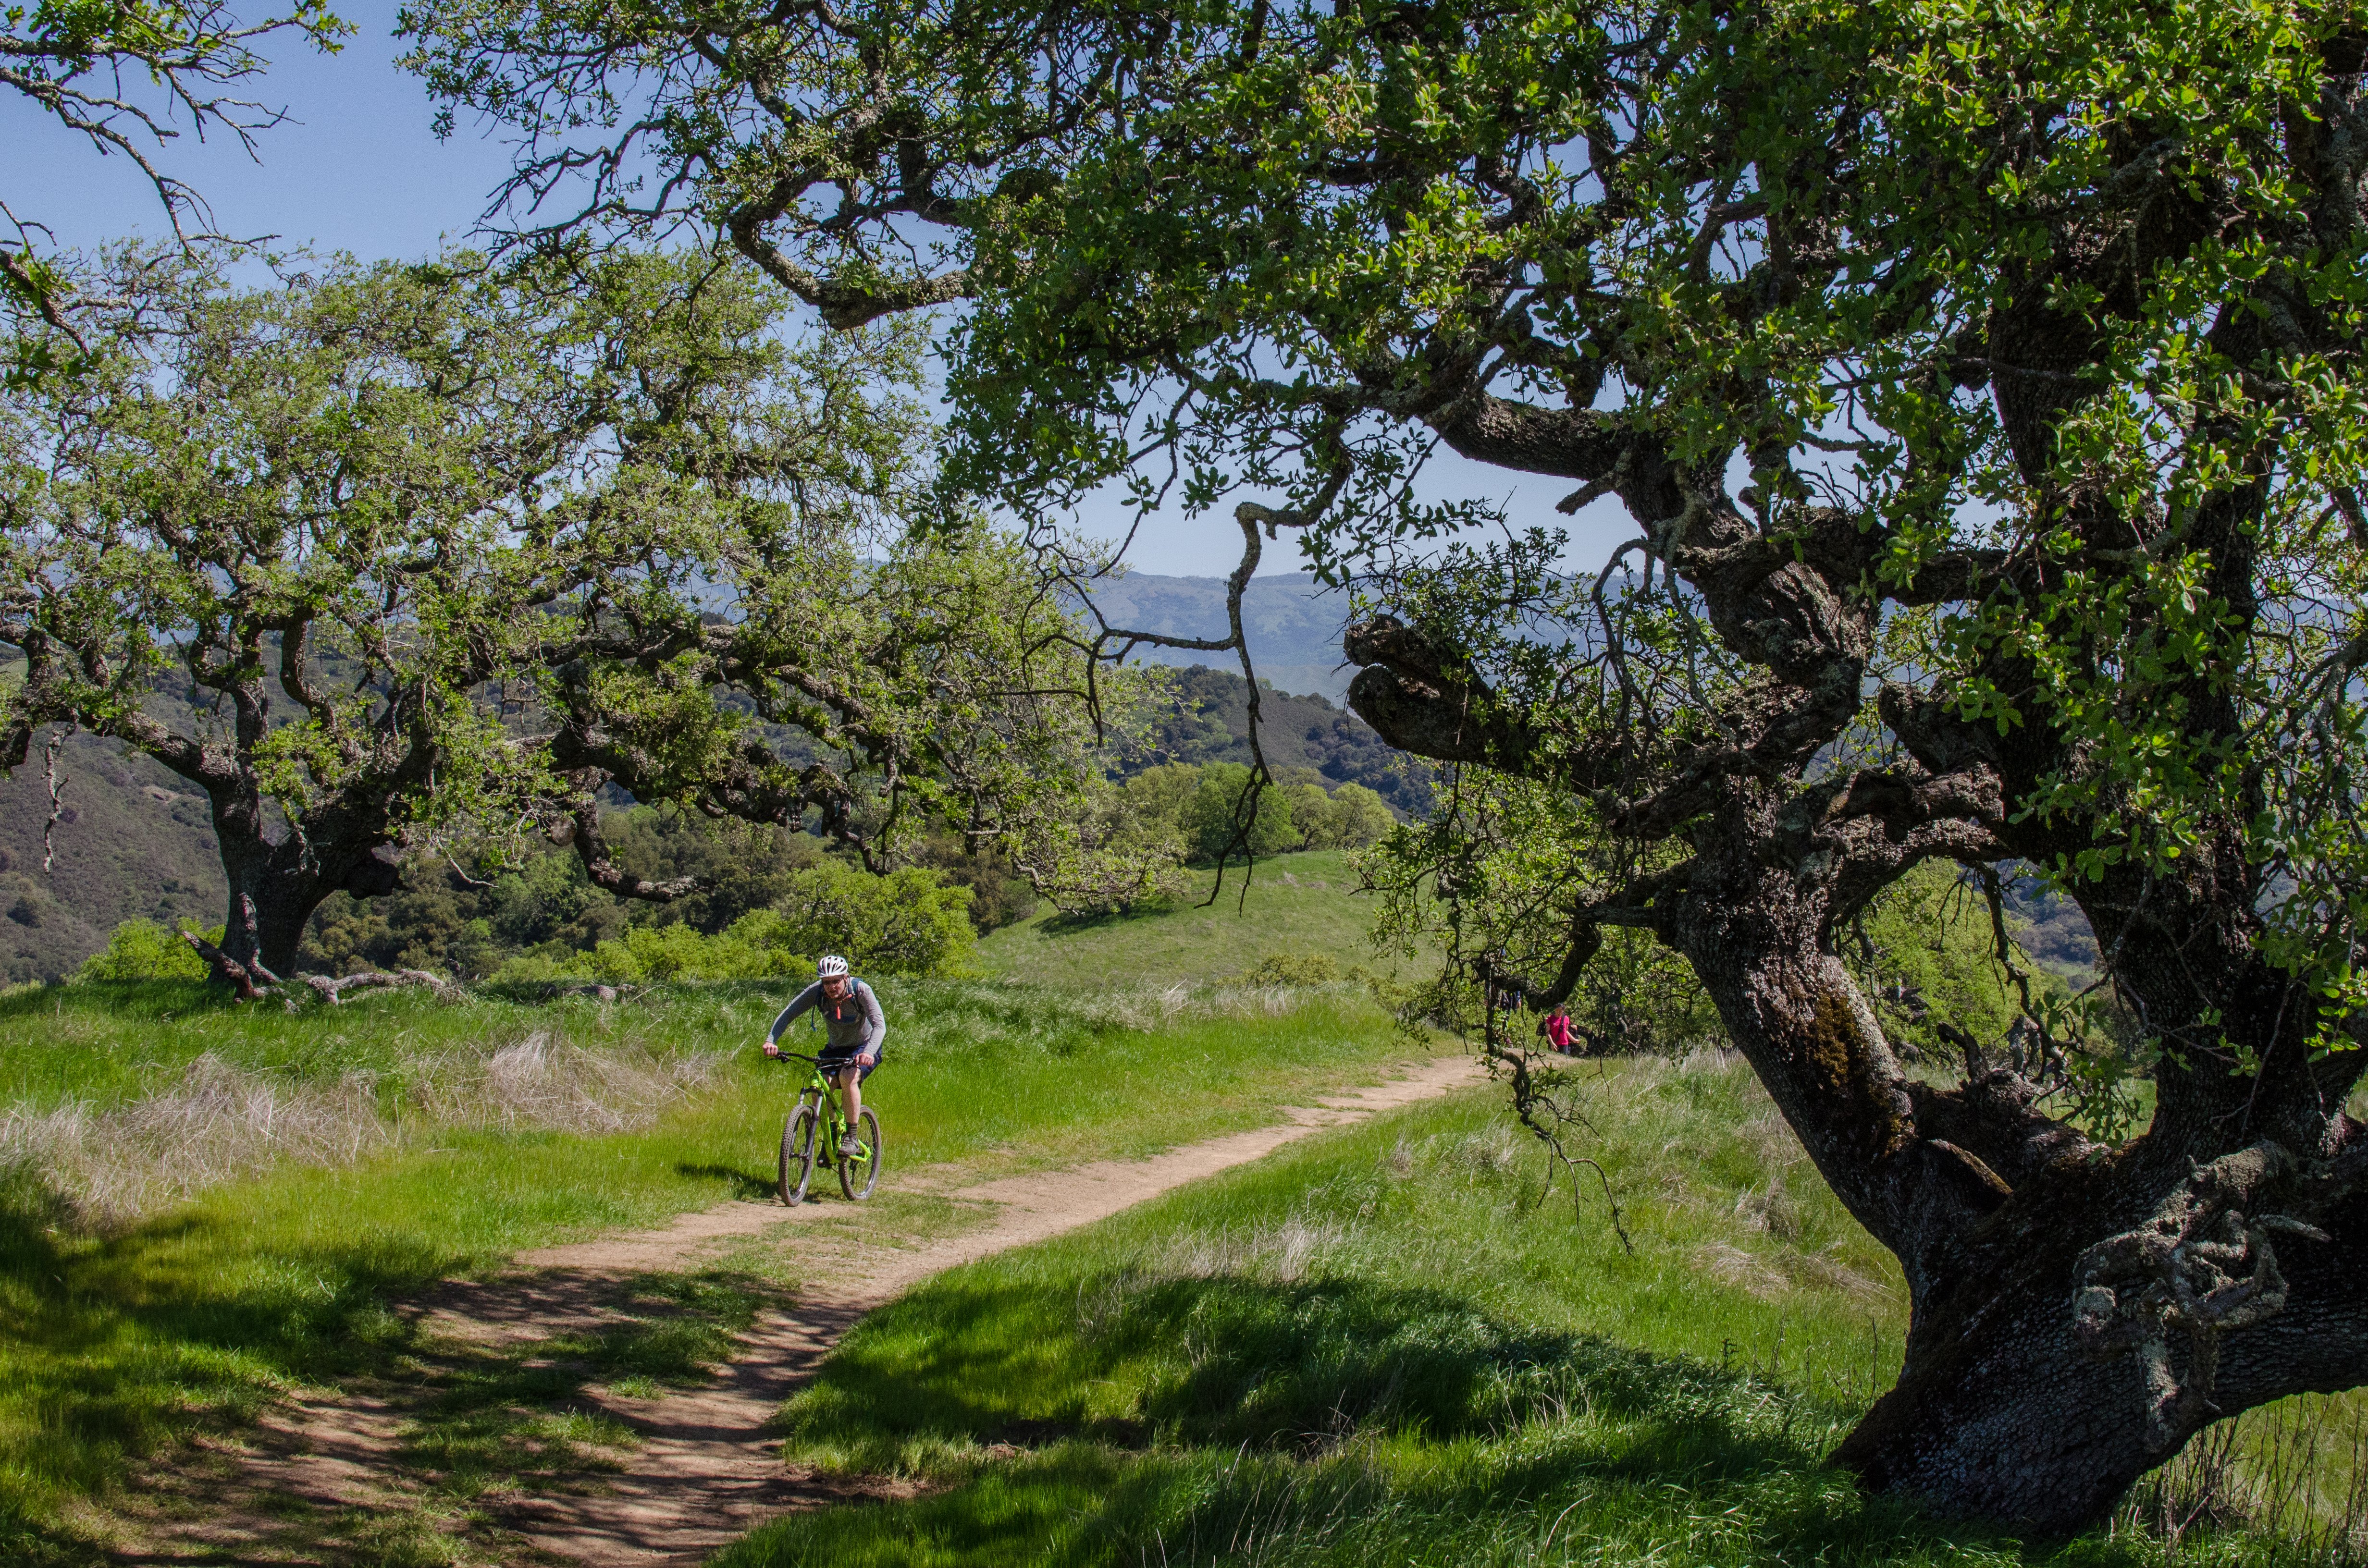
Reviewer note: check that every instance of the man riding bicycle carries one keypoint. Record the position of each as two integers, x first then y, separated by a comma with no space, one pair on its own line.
854,1030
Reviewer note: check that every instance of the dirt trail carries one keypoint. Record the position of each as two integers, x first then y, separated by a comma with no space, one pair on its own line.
705,1471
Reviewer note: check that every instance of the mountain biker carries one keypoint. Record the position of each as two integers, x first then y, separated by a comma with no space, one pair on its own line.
853,1031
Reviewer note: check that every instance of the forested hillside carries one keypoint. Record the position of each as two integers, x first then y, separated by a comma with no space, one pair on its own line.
1207,720
132,840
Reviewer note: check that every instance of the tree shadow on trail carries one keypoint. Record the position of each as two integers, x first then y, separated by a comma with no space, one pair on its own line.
116,1349
486,1416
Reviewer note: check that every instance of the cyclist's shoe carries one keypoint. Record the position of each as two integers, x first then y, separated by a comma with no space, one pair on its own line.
852,1147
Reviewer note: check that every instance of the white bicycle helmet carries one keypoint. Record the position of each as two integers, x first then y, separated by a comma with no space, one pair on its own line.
830,964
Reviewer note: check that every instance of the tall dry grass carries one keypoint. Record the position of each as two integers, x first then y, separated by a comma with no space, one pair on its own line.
2290,1477
222,1123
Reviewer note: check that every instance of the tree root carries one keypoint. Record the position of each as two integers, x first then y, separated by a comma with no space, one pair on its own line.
252,982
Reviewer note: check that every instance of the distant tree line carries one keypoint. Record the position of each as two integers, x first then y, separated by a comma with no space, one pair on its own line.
1200,715
770,899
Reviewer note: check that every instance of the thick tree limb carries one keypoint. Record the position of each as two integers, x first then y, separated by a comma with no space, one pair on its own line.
592,847
1994,1117
1427,701
2200,1266
251,980
332,991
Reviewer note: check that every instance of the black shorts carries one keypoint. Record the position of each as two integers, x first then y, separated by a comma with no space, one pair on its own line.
832,1066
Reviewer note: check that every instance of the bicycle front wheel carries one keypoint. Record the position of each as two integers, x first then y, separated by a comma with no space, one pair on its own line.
797,1154
858,1174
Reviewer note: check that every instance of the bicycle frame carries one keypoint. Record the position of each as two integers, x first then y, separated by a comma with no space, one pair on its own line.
831,1111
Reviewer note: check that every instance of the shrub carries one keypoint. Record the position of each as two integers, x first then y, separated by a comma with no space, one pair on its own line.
141,950
652,955
1296,968
909,922
542,967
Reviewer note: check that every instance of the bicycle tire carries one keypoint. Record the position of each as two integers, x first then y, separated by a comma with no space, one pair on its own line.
797,1155
867,1131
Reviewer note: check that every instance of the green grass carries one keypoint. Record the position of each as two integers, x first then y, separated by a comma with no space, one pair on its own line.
114,1345
1298,904
1392,1345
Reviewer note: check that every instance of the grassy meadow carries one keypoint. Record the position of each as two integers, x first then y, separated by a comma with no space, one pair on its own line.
1401,1344
1408,1342
205,1206
1296,904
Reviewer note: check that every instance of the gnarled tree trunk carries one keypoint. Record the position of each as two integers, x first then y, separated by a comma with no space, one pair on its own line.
2078,1312
276,886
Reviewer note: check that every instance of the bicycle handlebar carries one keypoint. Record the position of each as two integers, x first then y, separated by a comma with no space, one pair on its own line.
818,1061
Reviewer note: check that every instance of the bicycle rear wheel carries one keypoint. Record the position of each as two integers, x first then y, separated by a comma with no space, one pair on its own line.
858,1175
797,1154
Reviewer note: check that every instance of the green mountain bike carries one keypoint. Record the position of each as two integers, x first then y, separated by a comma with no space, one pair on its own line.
813,1134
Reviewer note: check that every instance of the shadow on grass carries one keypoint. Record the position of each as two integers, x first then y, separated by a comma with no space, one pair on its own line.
112,1347
138,1305
1070,925
1235,1362
1200,1419
747,1186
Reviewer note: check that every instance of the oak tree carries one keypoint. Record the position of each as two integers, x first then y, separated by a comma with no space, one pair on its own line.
1982,385
393,556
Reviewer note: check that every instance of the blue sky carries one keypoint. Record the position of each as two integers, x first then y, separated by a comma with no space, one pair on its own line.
357,169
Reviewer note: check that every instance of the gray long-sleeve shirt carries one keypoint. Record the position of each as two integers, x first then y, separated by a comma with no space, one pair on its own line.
854,1025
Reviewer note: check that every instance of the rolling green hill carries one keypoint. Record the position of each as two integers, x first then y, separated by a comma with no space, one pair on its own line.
1208,721
1298,905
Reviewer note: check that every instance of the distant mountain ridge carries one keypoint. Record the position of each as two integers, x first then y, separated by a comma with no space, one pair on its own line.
1293,624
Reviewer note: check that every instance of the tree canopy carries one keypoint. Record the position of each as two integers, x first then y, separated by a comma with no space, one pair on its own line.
1981,385
441,554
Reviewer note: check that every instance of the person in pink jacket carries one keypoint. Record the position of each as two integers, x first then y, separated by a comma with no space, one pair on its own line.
1556,1027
